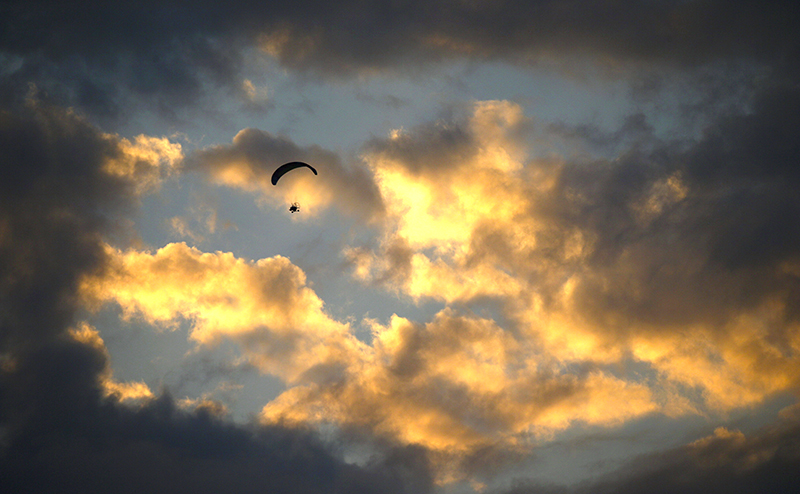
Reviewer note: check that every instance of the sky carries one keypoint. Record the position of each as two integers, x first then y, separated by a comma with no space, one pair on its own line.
553,247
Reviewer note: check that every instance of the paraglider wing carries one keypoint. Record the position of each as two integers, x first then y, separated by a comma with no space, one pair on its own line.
281,171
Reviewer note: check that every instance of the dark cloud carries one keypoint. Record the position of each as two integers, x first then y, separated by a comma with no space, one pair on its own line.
60,432
635,129
725,244
352,36
726,461
63,436
166,54
55,201
99,56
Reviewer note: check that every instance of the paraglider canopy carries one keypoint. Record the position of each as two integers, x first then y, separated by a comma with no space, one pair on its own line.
283,169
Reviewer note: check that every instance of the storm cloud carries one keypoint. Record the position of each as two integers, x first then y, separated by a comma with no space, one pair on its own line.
169,54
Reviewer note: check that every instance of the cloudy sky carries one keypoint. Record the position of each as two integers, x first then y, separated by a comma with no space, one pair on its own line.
553,246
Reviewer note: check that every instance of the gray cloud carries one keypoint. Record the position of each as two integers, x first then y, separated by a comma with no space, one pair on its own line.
168,53
723,245
726,461
55,199
63,436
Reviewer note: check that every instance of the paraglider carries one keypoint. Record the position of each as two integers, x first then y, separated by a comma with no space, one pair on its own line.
287,167
283,169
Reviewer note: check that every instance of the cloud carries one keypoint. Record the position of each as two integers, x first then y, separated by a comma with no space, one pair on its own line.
147,161
659,273
456,385
607,262
160,56
725,461
417,385
79,439
56,192
104,61
594,264
446,180
387,36
263,305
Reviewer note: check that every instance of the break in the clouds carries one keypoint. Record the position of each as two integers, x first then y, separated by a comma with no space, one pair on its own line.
588,262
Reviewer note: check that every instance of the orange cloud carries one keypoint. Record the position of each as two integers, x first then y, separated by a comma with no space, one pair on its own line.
469,216
146,161
263,305
458,384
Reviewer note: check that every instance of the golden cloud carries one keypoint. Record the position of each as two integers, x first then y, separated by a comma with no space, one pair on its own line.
263,305
146,161
458,384
470,216
453,385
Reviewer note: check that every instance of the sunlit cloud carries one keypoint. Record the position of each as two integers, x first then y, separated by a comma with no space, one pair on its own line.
440,187
467,215
453,385
146,161
470,216
458,385
265,306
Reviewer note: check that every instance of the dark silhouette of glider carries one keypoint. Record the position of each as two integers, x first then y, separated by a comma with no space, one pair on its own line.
283,169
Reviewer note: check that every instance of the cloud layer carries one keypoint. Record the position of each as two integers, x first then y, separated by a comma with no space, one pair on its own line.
167,55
